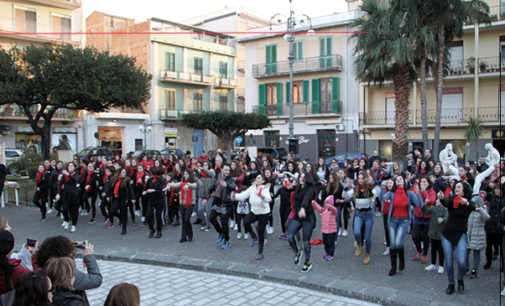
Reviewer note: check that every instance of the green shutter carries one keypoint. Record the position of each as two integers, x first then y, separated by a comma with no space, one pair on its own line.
279,99
306,92
336,95
315,96
263,99
295,51
170,61
288,93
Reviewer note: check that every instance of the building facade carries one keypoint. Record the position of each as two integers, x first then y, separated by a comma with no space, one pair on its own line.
471,89
40,23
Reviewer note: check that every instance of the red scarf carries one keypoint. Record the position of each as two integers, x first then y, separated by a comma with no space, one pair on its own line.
67,177
186,196
47,169
483,198
385,167
105,178
448,191
39,177
171,200
464,178
422,171
116,188
217,167
259,193
203,174
58,170
132,171
81,174
193,167
88,177
457,202
139,176
361,188
154,178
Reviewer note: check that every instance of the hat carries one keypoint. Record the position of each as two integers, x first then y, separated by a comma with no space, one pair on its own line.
329,200
482,193
454,177
478,201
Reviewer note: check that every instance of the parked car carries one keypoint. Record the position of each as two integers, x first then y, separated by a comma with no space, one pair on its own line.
139,154
177,152
97,151
343,156
12,155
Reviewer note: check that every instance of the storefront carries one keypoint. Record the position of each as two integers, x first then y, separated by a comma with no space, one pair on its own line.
170,138
112,138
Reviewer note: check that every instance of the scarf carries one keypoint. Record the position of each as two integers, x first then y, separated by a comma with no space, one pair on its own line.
448,191
39,177
88,177
457,202
259,193
58,170
67,177
81,174
203,174
47,169
219,188
105,178
217,167
139,176
154,178
172,193
422,171
193,167
186,196
116,188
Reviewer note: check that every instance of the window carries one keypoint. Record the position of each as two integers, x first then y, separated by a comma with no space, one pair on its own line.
326,95
325,52
271,105
326,143
452,105
170,61
198,67
223,102
297,92
170,99
26,19
457,63
298,50
386,149
197,101
272,139
390,109
223,70
61,25
271,59
502,41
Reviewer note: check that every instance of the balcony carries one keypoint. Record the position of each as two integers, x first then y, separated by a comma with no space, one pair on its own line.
497,12
491,114
448,115
241,66
491,64
64,4
225,83
241,93
35,31
380,118
176,114
307,65
330,108
185,77
467,67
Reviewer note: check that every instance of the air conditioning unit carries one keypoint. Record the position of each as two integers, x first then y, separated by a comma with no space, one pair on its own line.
339,127
5,129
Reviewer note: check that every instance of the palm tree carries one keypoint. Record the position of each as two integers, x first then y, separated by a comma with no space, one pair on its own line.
384,53
473,131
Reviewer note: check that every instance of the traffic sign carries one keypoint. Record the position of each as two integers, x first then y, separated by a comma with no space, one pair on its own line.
238,139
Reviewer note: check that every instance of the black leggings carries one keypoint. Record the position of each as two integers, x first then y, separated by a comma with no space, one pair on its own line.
222,229
187,228
271,217
284,211
420,232
70,206
294,227
386,230
436,247
119,204
239,218
233,215
41,196
52,195
104,205
493,239
262,224
93,195
158,206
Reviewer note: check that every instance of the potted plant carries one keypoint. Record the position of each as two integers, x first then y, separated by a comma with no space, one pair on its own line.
483,67
494,17
9,109
72,116
471,64
502,16
3,113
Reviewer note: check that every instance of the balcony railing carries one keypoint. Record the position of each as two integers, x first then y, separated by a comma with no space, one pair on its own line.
468,66
241,65
300,109
380,118
497,12
166,75
241,93
223,82
491,64
491,114
307,65
38,29
448,115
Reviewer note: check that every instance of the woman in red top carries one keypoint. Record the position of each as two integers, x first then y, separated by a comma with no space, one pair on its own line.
399,219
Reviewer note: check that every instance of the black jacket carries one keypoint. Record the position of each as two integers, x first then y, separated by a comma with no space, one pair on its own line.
92,181
44,183
3,173
67,298
105,186
139,187
226,191
70,187
494,205
303,198
125,192
54,179
285,196
158,186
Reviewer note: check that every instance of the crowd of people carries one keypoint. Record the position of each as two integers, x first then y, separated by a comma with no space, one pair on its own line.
437,203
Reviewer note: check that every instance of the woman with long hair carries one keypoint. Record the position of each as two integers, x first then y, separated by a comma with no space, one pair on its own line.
138,183
290,171
304,218
34,289
120,190
68,190
53,186
103,189
154,192
270,180
90,190
238,174
322,171
250,175
172,200
187,200
123,294
61,271
421,223
41,190
205,174
386,206
396,169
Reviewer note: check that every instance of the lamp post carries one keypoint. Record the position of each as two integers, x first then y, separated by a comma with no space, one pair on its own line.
290,37
145,128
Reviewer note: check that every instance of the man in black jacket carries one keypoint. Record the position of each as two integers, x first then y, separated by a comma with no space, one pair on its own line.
373,158
222,186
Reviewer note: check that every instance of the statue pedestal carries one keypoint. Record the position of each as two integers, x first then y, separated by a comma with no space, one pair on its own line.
253,152
66,156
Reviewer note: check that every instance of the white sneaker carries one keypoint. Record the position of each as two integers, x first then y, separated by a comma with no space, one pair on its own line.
65,227
72,229
386,252
142,219
64,223
50,211
378,214
239,236
339,232
503,292
138,213
193,214
235,228
345,233
61,216
440,270
270,230
232,223
246,236
431,267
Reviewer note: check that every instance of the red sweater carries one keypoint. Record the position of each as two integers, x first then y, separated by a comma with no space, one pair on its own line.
16,274
400,204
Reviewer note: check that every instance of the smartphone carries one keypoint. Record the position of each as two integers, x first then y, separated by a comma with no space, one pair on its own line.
31,242
79,244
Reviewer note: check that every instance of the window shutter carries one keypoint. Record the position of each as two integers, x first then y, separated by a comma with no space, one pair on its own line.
263,98
295,51
315,96
300,51
306,92
279,99
336,95
288,93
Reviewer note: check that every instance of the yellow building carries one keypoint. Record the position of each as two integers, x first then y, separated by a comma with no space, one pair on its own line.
471,89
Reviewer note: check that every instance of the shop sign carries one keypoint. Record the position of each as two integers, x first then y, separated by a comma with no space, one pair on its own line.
24,129
452,90
64,130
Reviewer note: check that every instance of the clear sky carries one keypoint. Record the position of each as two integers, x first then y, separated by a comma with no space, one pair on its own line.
179,10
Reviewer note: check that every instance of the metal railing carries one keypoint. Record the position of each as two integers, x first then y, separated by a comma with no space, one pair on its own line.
306,65
39,29
381,118
224,82
447,115
241,92
166,75
491,114
497,12
300,109
491,64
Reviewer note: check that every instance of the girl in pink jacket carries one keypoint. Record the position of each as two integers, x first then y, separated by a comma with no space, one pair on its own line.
328,225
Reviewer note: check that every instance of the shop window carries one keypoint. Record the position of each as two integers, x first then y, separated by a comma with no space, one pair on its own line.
386,149
272,139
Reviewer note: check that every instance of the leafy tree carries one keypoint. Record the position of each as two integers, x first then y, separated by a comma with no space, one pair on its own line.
473,132
385,53
42,80
226,125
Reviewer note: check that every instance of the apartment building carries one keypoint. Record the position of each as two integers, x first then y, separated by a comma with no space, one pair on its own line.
471,89
325,91
40,23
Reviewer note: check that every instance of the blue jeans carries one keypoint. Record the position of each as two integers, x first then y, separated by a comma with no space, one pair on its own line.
397,228
339,212
294,226
361,218
460,257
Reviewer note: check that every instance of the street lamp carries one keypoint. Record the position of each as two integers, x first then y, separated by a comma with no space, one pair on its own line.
290,37
145,128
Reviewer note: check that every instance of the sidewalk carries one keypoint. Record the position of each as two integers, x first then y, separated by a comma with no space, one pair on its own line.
345,275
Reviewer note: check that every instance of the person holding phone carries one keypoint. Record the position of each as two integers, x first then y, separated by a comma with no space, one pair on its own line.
68,190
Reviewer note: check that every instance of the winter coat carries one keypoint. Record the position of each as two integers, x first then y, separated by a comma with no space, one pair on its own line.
475,233
67,298
259,204
206,181
328,218
92,279
494,206
182,193
435,230
18,270
225,191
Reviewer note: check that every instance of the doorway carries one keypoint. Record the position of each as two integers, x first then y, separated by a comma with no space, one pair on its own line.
112,138
326,143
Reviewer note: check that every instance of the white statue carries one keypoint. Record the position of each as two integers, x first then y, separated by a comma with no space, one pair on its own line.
492,159
448,158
